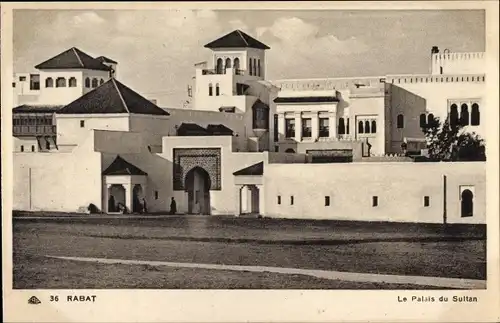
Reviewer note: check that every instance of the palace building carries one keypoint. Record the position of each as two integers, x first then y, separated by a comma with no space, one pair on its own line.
305,148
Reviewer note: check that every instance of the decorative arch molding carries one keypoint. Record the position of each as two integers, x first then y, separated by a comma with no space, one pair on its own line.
187,159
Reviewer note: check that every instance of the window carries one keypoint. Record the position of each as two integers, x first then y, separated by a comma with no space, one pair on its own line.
341,126
324,129
347,126
453,115
82,123
219,67
467,203
22,78
217,89
367,126
236,64
34,81
306,128
427,201
22,148
279,199
375,201
210,89
94,82
250,66
276,126
72,82
360,127
464,115
254,67
276,149
290,128
374,126
32,148
430,119
327,200
13,84
474,116
87,82
156,195
291,200
60,82
258,67
228,63
423,120
400,121
260,115
101,82
49,82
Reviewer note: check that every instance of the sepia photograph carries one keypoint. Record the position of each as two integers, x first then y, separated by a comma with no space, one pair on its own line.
242,149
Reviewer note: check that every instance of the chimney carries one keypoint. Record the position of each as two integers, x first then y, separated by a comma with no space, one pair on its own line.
434,50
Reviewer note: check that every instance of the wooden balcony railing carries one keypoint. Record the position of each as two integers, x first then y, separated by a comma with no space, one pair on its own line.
26,131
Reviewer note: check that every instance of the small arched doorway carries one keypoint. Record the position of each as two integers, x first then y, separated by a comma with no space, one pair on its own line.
290,150
467,203
137,199
116,198
197,184
250,199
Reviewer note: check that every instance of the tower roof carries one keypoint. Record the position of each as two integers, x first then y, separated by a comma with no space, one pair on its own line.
112,97
122,167
72,58
235,39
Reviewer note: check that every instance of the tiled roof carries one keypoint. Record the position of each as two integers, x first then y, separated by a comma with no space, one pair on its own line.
237,39
219,130
105,59
255,169
122,167
112,97
191,129
26,108
73,58
308,99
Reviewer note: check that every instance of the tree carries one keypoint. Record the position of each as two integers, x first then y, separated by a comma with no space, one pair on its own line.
449,142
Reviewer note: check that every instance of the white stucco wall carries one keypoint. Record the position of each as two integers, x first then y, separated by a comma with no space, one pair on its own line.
400,188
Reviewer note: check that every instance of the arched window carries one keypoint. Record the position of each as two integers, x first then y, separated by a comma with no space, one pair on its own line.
467,203
400,121
94,82
72,82
236,63
367,126
219,66
250,66
464,115
217,89
374,126
430,119
423,120
228,63
258,67
360,127
453,115
474,116
101,82
49,82
341,126
87,82
60,82
210,89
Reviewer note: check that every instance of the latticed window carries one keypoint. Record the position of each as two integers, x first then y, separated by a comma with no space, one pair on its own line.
324,129
290,128
306,128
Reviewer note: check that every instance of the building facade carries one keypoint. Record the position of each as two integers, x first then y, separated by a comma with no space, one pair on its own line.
324,148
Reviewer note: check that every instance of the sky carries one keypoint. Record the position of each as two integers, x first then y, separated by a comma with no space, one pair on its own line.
156,50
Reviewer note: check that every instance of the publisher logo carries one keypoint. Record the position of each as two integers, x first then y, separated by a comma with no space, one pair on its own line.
34,300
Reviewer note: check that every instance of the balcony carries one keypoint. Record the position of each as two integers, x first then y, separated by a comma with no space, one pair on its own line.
33,131
234,71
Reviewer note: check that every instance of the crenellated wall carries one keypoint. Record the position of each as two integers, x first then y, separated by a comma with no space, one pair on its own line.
458,63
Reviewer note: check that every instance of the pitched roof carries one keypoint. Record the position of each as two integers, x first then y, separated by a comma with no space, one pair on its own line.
255,169
191,129
72,58
27,108
238,39
308,99
122,167
219,130
105,59
112,97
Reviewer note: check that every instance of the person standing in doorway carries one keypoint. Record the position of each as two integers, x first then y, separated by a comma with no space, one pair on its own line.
173,206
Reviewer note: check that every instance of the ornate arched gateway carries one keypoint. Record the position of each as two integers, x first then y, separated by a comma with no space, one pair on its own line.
197,171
